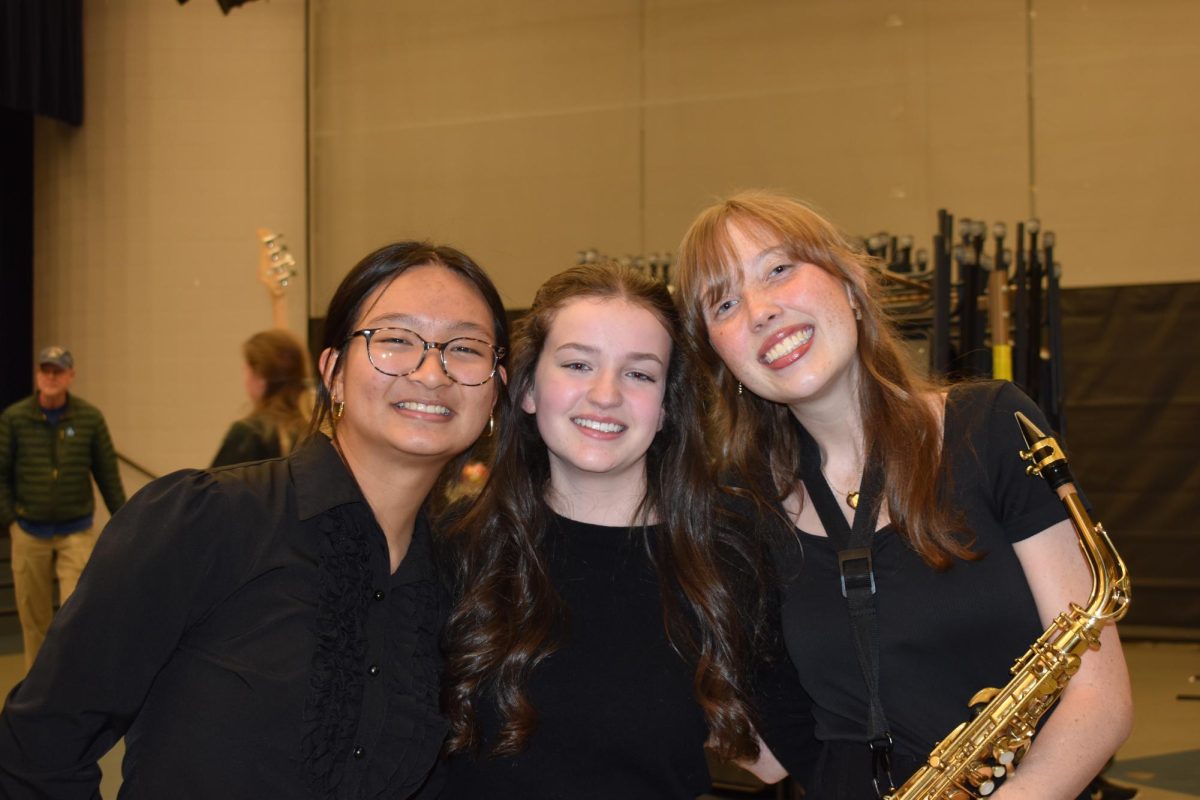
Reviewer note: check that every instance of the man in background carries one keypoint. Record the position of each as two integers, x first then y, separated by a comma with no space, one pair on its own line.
51,443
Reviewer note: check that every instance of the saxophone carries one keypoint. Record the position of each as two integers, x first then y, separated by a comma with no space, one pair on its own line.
977,754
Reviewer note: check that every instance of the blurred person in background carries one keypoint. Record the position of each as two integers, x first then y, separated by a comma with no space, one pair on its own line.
51,444
276,380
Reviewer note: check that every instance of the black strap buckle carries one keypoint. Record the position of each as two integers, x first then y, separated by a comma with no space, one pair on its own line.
857,568
881,766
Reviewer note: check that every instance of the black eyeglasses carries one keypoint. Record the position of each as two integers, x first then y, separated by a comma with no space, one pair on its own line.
399,351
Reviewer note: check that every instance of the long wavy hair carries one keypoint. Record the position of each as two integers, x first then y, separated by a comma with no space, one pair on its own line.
370,275
507,616
280,360
760,441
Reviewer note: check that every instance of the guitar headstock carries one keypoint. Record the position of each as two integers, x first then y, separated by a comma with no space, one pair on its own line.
276,266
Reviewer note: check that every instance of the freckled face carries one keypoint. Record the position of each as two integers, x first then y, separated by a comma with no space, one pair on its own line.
785,329
424,413
598,388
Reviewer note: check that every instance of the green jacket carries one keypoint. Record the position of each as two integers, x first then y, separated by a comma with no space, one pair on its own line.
44,468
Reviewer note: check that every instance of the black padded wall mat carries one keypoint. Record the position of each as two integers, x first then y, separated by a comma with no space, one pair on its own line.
1133,427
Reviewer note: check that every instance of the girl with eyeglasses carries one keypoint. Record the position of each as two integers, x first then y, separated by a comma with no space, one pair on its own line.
607,605
270,630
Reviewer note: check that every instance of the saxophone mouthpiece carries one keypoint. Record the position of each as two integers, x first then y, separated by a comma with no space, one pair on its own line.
1031,433
1044,455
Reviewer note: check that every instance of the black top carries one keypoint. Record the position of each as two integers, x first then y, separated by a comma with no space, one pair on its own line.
254,438
240,627
617,717
942,635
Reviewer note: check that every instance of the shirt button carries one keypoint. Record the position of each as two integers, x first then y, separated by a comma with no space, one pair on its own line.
379,595
373,670
359,752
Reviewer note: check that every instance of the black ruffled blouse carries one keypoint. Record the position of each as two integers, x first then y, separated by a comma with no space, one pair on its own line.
241,629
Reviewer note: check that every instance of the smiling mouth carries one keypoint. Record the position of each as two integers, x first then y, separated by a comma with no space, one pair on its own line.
791,343
422,408
602,427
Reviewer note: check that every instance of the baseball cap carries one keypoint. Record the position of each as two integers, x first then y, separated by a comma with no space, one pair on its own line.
58,356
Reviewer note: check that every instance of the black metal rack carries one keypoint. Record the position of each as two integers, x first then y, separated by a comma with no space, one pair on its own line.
965,314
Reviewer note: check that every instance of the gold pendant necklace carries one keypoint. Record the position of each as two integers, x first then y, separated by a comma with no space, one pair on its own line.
851,496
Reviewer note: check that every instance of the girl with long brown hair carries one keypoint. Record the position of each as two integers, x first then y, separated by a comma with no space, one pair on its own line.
606,614
276,380
822,418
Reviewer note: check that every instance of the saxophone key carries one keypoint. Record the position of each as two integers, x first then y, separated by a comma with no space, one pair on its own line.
981,778
982,697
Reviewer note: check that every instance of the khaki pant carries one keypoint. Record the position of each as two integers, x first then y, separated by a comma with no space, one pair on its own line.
34,564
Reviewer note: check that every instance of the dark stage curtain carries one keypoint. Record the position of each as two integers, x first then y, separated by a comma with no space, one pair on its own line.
41,57
1132,361
41,72
16,255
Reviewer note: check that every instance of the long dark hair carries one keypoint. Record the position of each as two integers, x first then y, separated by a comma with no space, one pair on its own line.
374,272
898,423
507,616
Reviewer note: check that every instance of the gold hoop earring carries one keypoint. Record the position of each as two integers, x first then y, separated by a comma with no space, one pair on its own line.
338,410
491,424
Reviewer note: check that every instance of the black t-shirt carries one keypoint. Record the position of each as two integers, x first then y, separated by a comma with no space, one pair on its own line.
617,717
942,635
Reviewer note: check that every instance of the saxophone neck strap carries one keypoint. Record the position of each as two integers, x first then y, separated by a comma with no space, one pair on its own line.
853,543
857,576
